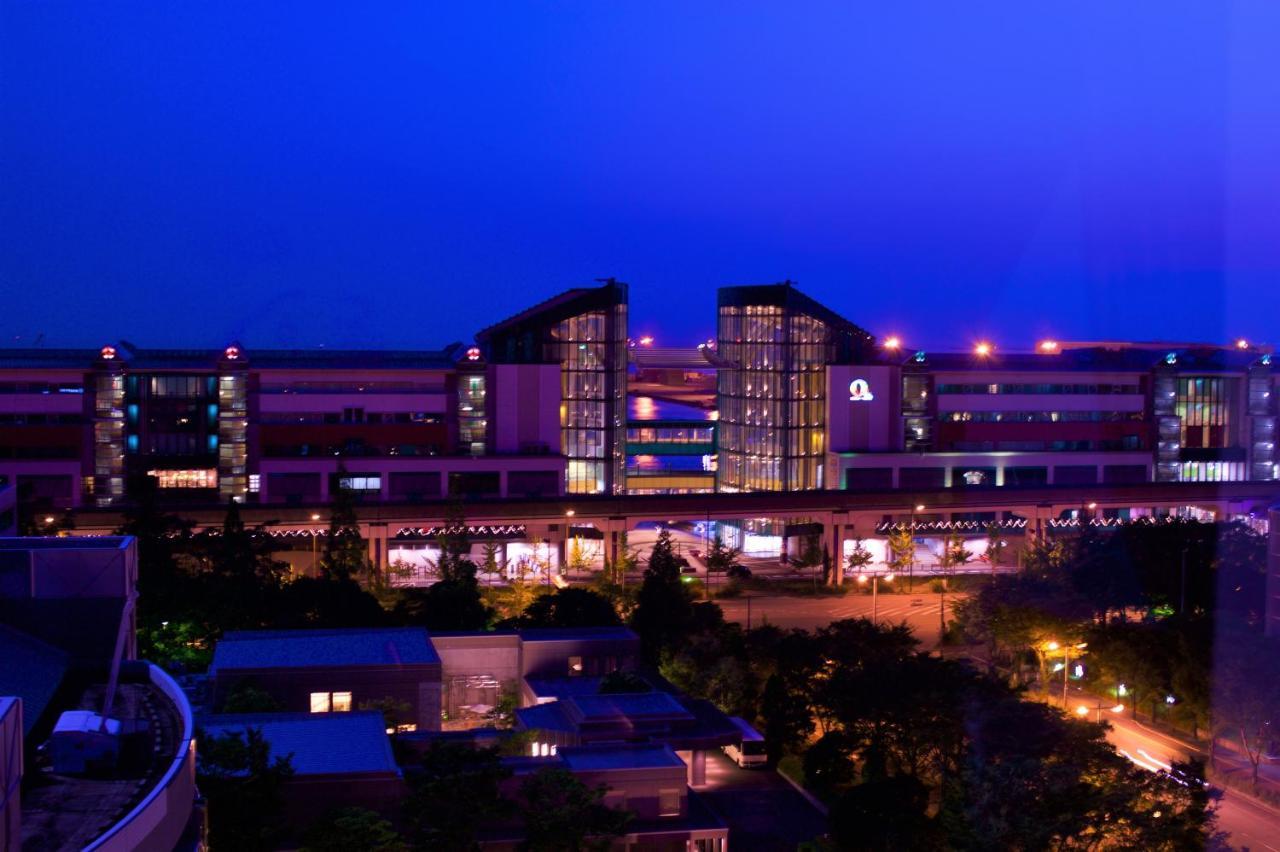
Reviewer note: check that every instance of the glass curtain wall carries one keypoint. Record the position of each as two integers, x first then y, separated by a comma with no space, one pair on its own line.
772,397
593,398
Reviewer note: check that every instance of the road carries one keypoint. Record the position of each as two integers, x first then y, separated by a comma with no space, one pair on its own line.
1248,823
919,611
763,811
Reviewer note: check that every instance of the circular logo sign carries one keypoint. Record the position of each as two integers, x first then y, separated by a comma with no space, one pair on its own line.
860,391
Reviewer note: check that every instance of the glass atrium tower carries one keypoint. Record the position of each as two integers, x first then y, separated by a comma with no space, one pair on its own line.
584,331
773,347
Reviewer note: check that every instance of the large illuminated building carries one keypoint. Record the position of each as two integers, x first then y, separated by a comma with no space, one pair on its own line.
774,347
789,397
584,333
1064,414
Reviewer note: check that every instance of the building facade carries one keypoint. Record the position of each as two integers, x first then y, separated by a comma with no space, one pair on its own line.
774,345
789,397
584,333
1066,414
86,427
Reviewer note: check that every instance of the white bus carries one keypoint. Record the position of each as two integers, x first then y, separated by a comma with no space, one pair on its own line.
749,751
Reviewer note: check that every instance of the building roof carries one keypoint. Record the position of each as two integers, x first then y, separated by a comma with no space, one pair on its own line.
268,649
629,756
629,706
561,687
560,306
209,359
318,743
1119,357
32,671
561,634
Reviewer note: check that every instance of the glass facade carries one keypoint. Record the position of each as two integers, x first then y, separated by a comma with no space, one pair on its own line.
774,345
585,332
593,409
472,424
1204,407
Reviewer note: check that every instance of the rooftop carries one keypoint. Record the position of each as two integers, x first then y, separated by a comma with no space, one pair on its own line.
32,671
631,756
1118,357
561,634
209,359
267,649
317,743
629,706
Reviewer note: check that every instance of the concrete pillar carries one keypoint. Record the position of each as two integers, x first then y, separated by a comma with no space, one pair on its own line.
376,536
698,768
836,524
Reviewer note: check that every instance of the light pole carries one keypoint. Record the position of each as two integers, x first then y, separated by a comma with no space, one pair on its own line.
875,588
314,518
911,566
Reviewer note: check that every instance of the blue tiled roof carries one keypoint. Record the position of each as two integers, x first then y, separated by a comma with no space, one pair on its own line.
560,634
544,717
645,756
560,687
320,743
30,670
632,705
263,649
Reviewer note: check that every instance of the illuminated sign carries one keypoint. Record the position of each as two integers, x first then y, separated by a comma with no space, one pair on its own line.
860,391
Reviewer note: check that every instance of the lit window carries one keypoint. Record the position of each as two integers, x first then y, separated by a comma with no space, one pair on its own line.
575,666
331,702
185,478
669,802
255,483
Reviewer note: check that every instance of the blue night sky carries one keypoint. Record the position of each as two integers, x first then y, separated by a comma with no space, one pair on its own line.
364,175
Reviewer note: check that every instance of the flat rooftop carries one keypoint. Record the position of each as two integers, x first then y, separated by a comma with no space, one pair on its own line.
63,812
562,634
645,756
84,542
318,743
287,649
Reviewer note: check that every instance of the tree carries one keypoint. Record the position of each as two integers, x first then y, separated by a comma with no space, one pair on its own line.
622,682
996,546
454,794
1031,778
1247,693
320,602
953,554
578,559
810,555
721,557
571,607
244,786
452,604
902,550
563,814
859,558
828,764
345,556
884,815
664,608
489,560
396,713
247,698
353,828
788,721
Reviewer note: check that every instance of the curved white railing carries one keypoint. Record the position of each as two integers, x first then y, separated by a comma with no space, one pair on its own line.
158,821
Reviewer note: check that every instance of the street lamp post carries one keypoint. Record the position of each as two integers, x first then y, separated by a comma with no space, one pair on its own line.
875,588
314,518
